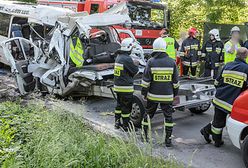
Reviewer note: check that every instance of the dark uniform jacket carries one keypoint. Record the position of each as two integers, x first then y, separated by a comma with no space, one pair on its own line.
231,82
160,79
124,71
212,53
190,51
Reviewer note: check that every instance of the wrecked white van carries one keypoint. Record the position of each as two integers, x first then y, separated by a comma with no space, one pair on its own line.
45,65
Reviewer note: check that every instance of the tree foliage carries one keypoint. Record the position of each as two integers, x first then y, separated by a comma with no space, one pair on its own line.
30,1
193,13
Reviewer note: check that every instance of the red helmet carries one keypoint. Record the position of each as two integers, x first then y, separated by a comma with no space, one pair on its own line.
192,32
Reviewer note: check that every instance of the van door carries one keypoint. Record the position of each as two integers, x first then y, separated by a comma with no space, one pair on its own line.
20,52
4,31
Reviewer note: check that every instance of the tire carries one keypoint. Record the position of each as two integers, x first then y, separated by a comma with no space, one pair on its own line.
201,109
244,150
138,110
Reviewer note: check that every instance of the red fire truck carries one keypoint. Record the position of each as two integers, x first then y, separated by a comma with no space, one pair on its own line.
148,18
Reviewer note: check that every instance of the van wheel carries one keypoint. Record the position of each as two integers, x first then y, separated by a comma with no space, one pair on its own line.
138,110
245,151
201,109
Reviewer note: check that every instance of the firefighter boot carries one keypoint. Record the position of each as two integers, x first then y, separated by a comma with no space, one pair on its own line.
206,131
145,137
218,142
126,124
117,123
168,131
117,119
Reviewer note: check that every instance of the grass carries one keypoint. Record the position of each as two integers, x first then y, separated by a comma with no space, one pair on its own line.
35,137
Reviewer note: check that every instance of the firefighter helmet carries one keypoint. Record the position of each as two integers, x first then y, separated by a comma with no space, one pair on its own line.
193,32
159,45
215,33
235,29
127,44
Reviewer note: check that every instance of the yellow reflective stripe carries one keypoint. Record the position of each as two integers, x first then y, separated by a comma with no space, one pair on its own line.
222,104
194,63
234,74
169,124
162,98
145,123
145,84
118,66
217,64
162,70
186,63
216,130
181,54
117,111
125,115
187,47
176,85
159,49
124,89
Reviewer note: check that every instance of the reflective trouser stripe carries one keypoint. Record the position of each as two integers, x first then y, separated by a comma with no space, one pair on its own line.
176,85
169,124
145,84
117,111
216,130
222,104
125,115
145,123
124,89
190,64
162,98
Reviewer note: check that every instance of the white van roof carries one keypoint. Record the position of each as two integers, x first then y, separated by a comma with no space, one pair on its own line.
35,13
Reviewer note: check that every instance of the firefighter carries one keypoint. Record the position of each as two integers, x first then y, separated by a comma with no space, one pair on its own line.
124,71
229,84
171,43
212,53
190,53
232,45
159,86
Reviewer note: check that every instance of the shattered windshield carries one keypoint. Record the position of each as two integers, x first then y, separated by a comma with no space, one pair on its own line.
145,16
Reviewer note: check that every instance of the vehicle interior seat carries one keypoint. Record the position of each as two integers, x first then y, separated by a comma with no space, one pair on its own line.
102,53
16,30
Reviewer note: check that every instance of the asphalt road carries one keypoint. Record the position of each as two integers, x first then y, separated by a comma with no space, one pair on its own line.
189,147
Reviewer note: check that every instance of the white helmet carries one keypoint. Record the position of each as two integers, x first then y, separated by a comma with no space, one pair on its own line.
235,29
127,44
159,45
215,33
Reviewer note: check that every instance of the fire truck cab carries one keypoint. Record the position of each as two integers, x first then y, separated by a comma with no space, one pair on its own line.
147,18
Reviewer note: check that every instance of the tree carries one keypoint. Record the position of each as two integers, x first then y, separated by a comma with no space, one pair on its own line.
193,13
